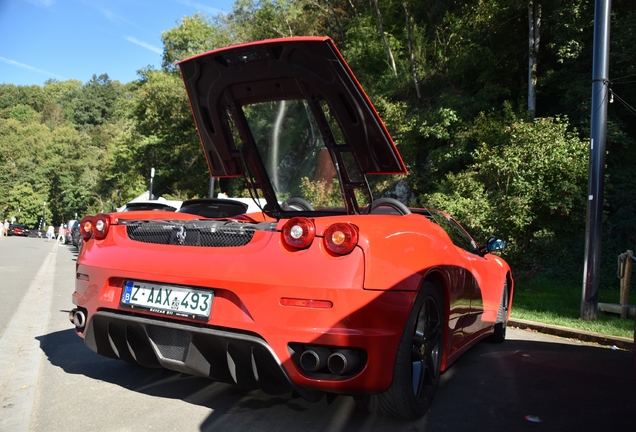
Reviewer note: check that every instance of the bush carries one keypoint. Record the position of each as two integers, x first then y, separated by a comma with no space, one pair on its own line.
528,184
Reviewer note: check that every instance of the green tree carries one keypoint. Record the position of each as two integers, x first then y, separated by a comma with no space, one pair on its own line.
60,95
165,135
96,102
192,35
24,151
9,96
265,19
527,185
25,205
24,114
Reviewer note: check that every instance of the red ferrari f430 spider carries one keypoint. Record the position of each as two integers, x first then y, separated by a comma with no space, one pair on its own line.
327,290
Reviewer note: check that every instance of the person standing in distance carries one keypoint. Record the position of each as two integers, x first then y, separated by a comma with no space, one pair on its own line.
60,233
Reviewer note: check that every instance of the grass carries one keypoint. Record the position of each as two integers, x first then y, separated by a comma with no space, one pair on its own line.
560,304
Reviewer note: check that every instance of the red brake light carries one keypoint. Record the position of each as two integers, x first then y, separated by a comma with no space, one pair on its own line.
86,227
299,232
101,223
340,238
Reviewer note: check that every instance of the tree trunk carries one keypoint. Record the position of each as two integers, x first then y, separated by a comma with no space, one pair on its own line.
386,43
335,17
408,32
354,8
534,37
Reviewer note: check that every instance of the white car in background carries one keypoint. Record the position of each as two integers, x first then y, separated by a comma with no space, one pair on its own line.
145,204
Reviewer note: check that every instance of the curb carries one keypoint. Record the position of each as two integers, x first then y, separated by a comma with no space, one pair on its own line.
568,332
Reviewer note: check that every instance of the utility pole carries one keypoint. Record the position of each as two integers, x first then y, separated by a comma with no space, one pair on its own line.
152,176
43,211
211,188
600,96
534,38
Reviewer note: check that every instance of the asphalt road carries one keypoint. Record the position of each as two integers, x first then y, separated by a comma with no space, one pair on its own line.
49,381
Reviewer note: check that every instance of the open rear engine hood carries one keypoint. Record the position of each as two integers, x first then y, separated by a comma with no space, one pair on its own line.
221,81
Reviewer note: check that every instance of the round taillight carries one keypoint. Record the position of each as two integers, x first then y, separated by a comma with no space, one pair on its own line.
299,232
86,227
101,223
340,238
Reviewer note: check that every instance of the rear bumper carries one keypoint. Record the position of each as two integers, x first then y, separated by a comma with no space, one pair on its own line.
250,339
221,354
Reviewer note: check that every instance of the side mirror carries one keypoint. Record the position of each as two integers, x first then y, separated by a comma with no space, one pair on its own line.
494,244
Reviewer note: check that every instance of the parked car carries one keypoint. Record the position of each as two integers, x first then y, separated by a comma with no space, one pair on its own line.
76,237
148,205
329,290
68,238
213,207
18,230
142,203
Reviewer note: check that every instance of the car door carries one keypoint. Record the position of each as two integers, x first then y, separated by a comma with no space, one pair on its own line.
464,299
488,288
487,272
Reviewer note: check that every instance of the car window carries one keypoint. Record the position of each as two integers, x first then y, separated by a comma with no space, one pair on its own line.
291,146
458,236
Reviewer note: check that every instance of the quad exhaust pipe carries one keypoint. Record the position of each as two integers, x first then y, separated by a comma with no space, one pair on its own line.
314,359
338,363
78,318
342,361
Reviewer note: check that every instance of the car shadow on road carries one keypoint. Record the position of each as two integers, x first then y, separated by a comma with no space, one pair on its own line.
509,386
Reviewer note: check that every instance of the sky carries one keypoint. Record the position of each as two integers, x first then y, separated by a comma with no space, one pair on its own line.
75,39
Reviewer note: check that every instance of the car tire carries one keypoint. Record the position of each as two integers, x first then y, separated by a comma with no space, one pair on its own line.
417,365
499,334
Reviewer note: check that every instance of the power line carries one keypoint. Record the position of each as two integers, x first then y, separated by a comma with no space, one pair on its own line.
613,96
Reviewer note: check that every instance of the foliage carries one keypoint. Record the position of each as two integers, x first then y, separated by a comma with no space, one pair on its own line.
524,185
60,95
31,161
265,19
164,135
321,193
95,103
24,204
192,35
24,114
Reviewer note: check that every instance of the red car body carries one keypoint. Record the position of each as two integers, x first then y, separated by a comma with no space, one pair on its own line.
366,298
18,230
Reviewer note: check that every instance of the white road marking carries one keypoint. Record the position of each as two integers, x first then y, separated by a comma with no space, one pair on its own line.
20,353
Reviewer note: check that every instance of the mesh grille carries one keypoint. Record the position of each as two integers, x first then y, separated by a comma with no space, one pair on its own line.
172,344
230,235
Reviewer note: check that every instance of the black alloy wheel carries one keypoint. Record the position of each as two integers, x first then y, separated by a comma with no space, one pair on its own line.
417,365
426,352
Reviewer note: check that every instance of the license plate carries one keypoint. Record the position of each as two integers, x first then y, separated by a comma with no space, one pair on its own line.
168,300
